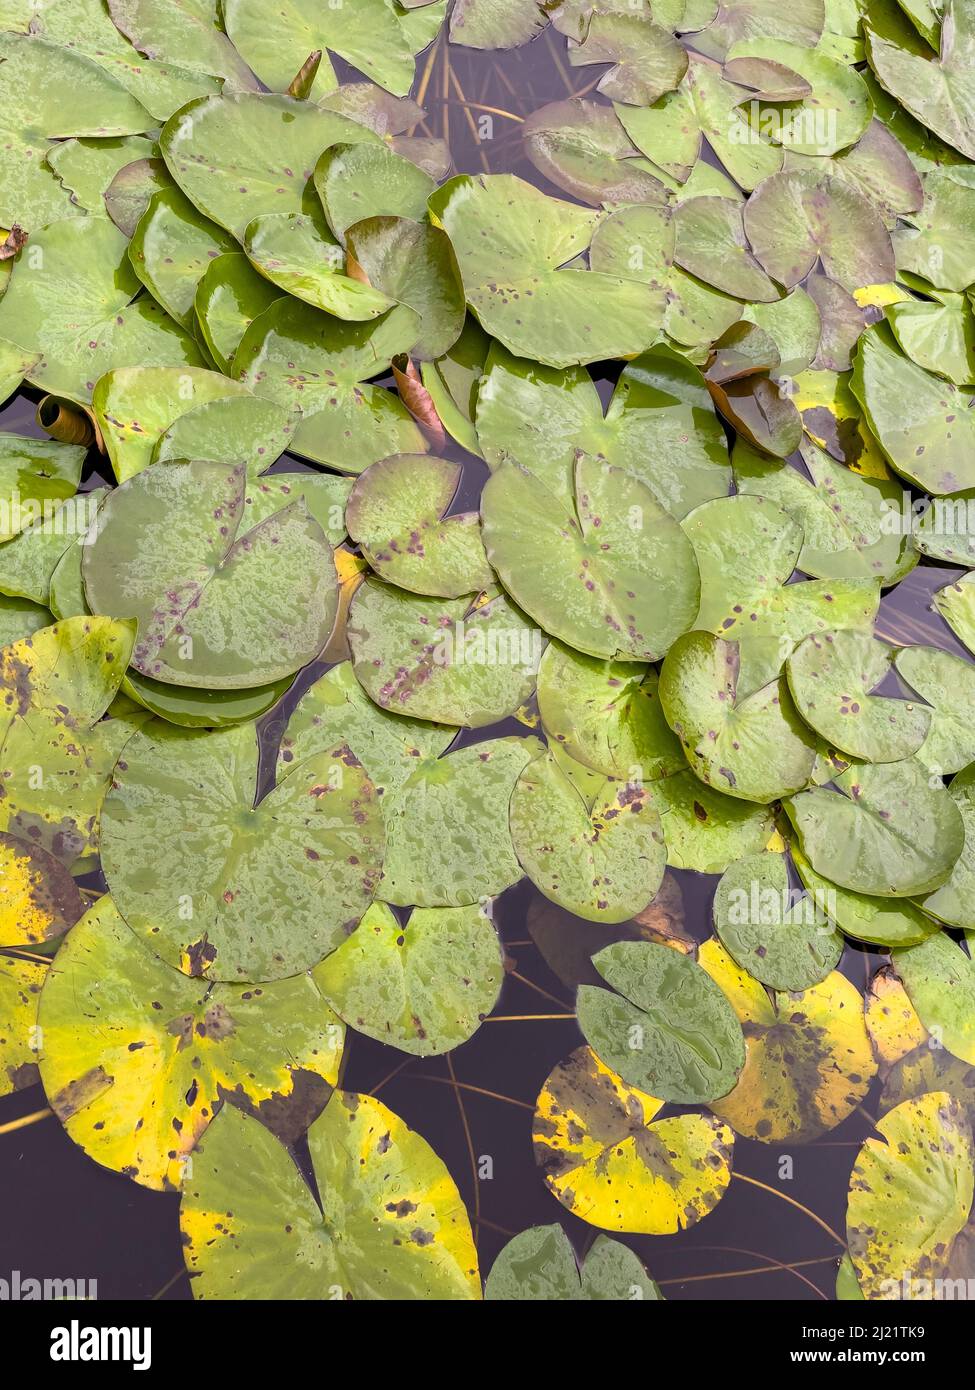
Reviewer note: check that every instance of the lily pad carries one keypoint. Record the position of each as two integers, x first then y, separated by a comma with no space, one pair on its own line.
780,936
203,907
58,752
71,306
298,256
608,1160
607,715
232,429
511,243
170,250
940,980
40,898
956,604
34,472
360,180
808,1059
600,856
224,635
447,837
397,515
391,1222
583,149
229,296
705,830
880,921
831,675
164,1053
456,661
947,684
751,744
20,991
830,117
668,1030
336,710
614,577
939,245
886,831
910,1195
422,986
539,1265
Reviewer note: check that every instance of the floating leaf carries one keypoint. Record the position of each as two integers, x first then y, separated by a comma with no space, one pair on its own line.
648,60
539,1265
940,980
414,264
179,33
40,898
138,1088
171,248
205,908
229,297
781,937
58,757
236,428
747,19
391,1222
668,1029
937,334
20,990
614,577
360,180
583,149
298,256
72,308
881,921
88,167
600,856
910,1196
34,472
336,710
830,677
397,515
705,830
808,1061
235,633
607,1158
834,113
935,88
447,838
939,246
750,744
885,831
422,986
511,243
606,714
947,684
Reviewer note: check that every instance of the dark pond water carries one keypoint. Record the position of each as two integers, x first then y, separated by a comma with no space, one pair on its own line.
63,1216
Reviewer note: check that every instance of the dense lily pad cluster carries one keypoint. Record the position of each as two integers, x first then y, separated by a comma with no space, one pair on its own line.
552,520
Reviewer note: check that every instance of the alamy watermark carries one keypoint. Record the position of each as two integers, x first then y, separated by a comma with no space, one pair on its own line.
477,644
21,1288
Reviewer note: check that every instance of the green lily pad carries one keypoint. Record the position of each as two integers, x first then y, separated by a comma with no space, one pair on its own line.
134,406
880,921
171,248
202,709
844,517
19,617
204,910
422,986
414,264
292,252
360,180
58,753
600,856
648,60
229,297
747,548
939,245
705,830
923,424
956,604
937,334
831,675
947,684
447,837
832,116
391,1223
511,243
138,1089
780,936
128,195
236,428
750,745
606,715
20,989
539,1265
34,472
240,156
225,635
70,304
374,36
886,831
455,661
801,215
583,149
953,901
336,710
318,365
668,1030
15,363
609,1160
30,560
910,1196
397,515
933,87
614,577
660,425
87,167
711,244
736,20
182,32
794,324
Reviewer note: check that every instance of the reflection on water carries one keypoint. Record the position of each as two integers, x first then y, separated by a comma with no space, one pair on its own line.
72,1217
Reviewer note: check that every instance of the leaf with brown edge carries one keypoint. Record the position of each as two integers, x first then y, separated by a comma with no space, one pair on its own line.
417,399
39,900
13,242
